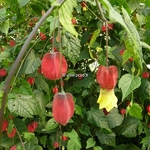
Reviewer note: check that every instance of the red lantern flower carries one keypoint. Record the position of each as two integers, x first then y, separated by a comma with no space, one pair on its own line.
3,72
63,107
51,67
31,81
107,76
145,74
32,126
13,147
12,134
4,125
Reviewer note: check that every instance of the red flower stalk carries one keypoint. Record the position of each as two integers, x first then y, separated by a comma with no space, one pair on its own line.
51,67
32,126
4,125
3,72
107,76
63,107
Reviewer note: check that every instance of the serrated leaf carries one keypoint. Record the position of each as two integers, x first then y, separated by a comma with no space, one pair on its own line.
90,143
51,125
31,64
128,83
85,129
97,118
135,110
71,47
108,139
20,125
74,141
129,127
146,141
31,144
41,84
25,105
4,27
114,118
65,16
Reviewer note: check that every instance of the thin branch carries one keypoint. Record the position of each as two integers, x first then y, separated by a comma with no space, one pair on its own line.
18,60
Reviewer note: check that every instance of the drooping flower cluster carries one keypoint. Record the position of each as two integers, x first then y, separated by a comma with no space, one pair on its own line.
53,67
107,79
63,107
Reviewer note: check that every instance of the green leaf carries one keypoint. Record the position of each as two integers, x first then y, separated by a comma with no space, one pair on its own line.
74,141
135,110
25,88
65,16
23,2
127,147
71,47
51,125
26,105
41,84
90,143
129,127
132,41
94,36
31,64
4,55
146,141
108,139
97,118
2,12
28,136
31,144
85,129
20,125
97,148
128,83
114,118
4,27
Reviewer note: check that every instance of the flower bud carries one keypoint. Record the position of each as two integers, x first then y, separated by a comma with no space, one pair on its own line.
63,107
51,66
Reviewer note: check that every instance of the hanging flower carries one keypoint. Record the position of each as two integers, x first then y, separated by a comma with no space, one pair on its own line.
51,67
107,99
32,126
63,107
3,72
4,125
107,78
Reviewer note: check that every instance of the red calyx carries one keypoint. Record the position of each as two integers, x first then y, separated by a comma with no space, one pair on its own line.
107,76
63,107
31,81
55,89
12,43
3,72
64,138
32,126
110,26
56,145
13,147
123,111
145,74
51,67
74,21
83,4
12,134
4,125
42,36
148,108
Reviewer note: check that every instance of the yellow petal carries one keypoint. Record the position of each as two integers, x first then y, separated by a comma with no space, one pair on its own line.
107,99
